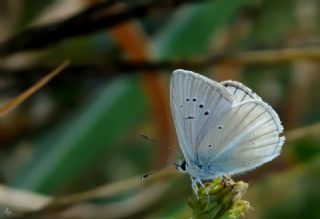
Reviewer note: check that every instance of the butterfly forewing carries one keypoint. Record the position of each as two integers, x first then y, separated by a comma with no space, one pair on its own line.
196,103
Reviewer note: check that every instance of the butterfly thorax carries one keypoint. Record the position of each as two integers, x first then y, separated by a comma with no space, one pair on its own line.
197,170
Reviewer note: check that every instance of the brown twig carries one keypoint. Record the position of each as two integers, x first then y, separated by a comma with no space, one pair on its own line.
111,67
97,17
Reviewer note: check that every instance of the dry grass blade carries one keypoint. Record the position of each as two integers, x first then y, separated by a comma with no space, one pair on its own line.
306,131
48,204
26,94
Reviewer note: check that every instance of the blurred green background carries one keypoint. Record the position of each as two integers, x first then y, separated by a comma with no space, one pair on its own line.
81,131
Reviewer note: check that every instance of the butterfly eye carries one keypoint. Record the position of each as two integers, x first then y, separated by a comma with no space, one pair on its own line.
184,166
181,166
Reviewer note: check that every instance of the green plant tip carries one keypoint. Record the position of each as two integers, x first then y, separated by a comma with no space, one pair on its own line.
224,201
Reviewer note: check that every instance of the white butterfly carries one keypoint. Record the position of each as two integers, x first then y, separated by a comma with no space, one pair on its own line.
223,128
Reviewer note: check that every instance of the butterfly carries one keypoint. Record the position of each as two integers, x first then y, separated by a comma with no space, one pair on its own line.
222,128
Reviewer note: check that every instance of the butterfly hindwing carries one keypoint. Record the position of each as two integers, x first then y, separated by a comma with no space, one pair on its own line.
248,138
239,91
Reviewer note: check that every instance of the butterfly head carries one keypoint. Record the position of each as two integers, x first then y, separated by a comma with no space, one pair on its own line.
181,165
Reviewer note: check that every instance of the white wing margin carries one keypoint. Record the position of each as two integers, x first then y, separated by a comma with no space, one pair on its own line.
196,102
239,91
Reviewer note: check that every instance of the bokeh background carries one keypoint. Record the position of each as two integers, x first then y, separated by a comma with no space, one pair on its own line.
80,133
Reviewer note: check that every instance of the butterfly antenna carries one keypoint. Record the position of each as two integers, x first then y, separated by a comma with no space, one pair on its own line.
157,142
147,137
157,171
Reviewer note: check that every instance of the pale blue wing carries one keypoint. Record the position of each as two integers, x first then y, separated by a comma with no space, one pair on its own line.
196,103
244,138
239,91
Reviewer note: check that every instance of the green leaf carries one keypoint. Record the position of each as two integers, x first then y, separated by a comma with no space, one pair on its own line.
190,30
96,129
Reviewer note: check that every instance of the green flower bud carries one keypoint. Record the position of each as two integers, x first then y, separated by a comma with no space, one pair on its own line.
224,201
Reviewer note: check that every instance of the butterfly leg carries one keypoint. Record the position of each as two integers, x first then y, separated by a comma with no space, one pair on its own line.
194,186
204,188
227,178
195,182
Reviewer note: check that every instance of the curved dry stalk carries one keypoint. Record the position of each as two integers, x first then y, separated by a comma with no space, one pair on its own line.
20,200
136,203
12,104
112,189
306,131
275,55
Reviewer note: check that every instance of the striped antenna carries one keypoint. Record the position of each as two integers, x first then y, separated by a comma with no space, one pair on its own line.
157,171
157,142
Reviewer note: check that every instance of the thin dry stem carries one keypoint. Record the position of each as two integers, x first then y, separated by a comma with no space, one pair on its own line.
276,55
12,104
23,199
